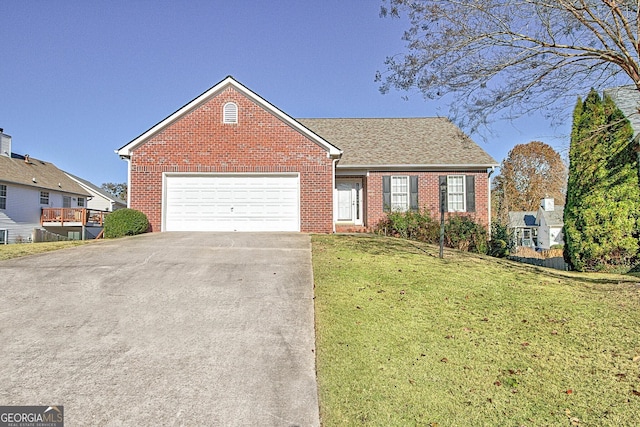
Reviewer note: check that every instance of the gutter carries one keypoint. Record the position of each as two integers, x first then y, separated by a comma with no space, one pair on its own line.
422,167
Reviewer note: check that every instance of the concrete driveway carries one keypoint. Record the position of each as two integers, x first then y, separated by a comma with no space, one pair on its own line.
189,329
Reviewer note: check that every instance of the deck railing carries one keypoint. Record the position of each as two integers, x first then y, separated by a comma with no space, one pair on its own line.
64,216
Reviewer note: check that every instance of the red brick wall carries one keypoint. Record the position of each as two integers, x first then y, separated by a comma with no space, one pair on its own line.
428,197
259,142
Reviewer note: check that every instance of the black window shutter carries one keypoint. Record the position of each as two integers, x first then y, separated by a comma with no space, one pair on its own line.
442,181
386,193
413,193
471,193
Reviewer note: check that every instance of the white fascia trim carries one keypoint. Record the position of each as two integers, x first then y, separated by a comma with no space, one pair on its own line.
229,81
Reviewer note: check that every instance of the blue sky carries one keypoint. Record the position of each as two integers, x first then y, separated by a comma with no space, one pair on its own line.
80,79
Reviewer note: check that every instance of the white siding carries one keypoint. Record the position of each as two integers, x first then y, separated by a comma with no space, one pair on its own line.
22,214
99,202
23,210
556,236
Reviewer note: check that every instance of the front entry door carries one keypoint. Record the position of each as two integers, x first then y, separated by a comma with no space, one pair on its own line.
349,197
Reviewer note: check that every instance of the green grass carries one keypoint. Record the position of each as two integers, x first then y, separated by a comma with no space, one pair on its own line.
24,249
405,338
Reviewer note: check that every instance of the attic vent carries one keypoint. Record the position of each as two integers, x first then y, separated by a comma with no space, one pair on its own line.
230,113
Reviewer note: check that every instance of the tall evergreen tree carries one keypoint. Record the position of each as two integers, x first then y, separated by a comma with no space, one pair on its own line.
603,198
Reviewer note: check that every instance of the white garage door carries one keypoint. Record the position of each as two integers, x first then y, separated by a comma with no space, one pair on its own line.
231,202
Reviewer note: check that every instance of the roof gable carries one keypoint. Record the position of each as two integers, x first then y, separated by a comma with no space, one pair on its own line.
36,173
90,187
127,149
554,218
401,142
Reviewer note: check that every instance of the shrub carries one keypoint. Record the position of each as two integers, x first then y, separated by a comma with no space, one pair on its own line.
410,225
501,241
461,232
125,222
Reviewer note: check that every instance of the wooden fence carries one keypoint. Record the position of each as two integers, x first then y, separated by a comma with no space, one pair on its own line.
558,262
552,258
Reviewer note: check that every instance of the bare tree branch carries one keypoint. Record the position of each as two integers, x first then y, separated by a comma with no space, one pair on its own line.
507,58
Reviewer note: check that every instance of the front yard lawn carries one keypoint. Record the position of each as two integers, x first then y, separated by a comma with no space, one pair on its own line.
405,338
23,249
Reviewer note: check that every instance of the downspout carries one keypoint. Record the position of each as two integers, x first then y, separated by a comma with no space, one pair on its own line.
333,195
128,159
493,169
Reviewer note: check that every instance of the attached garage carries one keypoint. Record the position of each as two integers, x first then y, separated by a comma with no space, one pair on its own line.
231,202
230,161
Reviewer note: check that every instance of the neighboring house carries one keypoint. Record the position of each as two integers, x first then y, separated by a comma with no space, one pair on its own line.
550,220
231,161
524,229
36,195
100,199
539,230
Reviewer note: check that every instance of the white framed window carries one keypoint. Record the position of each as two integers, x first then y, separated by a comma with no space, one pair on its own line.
66,201
399,193
81,202
3,196
456,193
230,113
4,237
44,197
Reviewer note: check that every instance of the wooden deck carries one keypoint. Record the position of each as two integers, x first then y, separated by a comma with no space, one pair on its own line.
72,217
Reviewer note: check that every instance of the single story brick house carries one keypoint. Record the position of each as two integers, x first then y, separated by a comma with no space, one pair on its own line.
231,161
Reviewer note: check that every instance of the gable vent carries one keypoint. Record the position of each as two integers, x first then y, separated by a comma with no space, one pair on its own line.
230,113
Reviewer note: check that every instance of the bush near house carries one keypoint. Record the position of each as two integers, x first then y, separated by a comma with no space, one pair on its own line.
460,232
125,222
501,243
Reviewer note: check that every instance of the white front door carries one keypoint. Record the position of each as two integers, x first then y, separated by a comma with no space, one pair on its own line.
349,200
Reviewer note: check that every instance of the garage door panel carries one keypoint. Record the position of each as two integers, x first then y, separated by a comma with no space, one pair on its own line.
232,203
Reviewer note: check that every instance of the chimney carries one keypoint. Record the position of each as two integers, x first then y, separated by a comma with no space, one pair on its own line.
26,158
5,144
547,204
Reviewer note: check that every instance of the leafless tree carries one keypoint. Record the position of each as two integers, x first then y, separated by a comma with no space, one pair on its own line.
507,58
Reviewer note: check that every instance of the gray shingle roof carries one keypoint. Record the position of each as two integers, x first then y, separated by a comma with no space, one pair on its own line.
47,176
522,219
554,218
97,189
430,141
627,99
